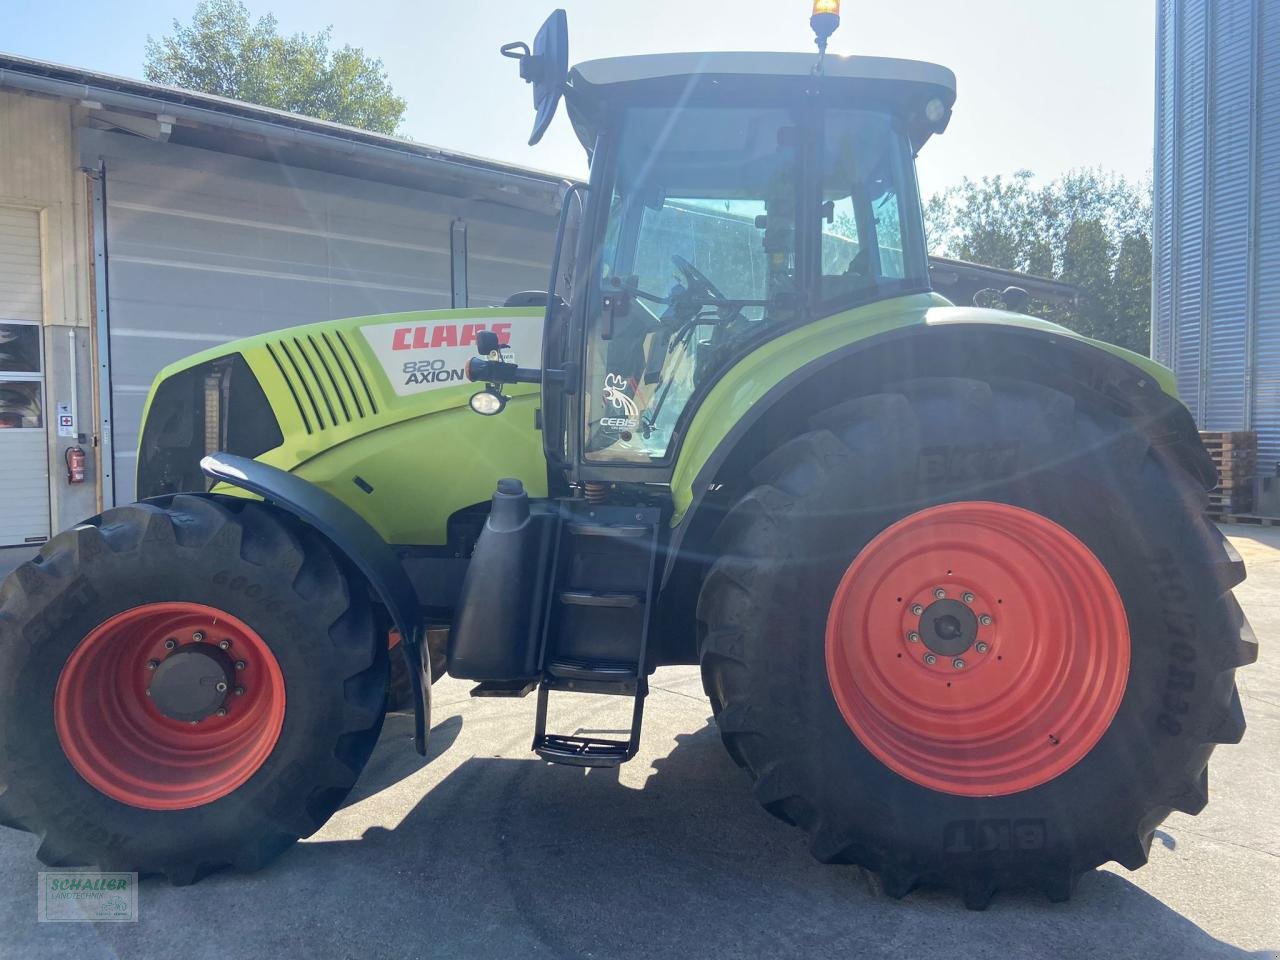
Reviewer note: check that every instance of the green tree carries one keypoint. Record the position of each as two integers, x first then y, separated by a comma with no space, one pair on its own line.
224,52
1088,228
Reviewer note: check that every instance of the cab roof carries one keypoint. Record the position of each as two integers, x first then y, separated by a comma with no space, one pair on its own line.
903,86
663,66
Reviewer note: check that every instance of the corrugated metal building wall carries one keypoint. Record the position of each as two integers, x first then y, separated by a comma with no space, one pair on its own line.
1215,295
207,247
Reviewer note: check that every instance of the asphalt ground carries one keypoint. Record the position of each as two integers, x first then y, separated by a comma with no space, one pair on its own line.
487,852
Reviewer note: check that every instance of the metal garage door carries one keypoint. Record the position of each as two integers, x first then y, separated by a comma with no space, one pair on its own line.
24,464
205,247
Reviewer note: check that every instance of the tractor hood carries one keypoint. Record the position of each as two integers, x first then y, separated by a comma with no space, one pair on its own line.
371,409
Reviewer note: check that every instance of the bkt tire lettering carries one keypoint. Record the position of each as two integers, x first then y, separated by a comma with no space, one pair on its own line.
1180,622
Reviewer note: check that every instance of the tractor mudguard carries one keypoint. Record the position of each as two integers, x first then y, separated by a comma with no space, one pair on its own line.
351,534
724,424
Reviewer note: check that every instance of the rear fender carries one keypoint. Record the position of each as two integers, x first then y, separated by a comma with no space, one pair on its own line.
1133,386
352,536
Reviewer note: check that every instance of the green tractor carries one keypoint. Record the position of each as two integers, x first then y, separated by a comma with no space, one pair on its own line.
946,571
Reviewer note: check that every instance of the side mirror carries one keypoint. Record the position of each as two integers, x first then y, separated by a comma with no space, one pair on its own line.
546,66
487,343
1015,299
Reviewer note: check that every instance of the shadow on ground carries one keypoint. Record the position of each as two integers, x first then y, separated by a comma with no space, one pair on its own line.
506,857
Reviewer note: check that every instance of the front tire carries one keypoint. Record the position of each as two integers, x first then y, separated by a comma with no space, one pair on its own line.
186,687
956,772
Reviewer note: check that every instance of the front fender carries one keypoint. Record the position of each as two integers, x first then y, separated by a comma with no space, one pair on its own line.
351,534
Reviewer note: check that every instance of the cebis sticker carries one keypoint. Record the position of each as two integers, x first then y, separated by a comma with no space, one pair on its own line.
417,357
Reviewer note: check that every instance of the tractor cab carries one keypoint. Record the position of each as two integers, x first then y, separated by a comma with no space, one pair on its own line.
733,197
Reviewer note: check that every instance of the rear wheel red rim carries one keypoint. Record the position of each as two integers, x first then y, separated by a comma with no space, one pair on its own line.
120,742
977,648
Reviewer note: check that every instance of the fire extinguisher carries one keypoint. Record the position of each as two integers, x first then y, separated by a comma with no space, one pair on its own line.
75,465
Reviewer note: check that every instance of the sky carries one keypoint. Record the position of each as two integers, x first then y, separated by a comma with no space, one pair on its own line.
1042,86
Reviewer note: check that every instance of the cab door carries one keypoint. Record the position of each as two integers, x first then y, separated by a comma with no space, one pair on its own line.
697,263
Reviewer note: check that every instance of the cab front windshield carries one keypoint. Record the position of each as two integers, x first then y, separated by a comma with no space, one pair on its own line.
699,256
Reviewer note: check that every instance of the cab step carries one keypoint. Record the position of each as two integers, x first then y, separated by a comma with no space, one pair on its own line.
595,634
504,688
601,598
628,531
590,676
583,751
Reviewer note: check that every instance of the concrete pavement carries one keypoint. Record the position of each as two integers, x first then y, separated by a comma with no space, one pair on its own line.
487,852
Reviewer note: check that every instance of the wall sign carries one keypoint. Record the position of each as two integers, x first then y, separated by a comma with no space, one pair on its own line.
66,421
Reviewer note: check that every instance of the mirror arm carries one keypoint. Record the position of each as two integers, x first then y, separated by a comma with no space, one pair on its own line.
499,371
496,372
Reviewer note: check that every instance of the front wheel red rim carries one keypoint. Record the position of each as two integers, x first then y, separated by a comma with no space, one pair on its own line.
206,742
977,648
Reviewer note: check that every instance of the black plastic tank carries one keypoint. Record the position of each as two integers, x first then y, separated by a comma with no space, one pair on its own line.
496,629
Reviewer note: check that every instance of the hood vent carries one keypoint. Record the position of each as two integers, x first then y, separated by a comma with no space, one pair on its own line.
325,380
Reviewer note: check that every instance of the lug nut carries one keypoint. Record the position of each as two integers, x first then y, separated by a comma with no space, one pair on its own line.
939,593
239,664
221,711
152,664
930,659
239,691
958,663
982,647
913,637
220,686
170,643
198,636
194,722
917,609
985,619
224,644
967,598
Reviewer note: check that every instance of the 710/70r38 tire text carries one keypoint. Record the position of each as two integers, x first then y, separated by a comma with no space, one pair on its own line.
974,634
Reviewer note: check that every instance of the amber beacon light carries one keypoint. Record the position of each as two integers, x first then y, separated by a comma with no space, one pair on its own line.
825,19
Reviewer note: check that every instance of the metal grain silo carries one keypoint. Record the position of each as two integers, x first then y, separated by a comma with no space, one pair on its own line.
1216,278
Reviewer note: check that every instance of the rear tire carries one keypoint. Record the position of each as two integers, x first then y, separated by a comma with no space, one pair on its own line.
278,580
867,464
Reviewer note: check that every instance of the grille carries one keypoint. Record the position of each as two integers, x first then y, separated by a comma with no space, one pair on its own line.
324,379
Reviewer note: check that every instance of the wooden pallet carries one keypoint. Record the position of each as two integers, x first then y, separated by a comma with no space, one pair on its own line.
1238,464
1238,471
1220,517
1230,437
1235,505
1234,486
1235,457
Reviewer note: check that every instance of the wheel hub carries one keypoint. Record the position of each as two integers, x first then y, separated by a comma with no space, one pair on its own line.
192,683
977,648
169,706
948,627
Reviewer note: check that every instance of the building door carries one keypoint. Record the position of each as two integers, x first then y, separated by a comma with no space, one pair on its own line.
205,247
24,460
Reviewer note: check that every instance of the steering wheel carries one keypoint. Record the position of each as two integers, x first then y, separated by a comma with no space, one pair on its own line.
697,279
